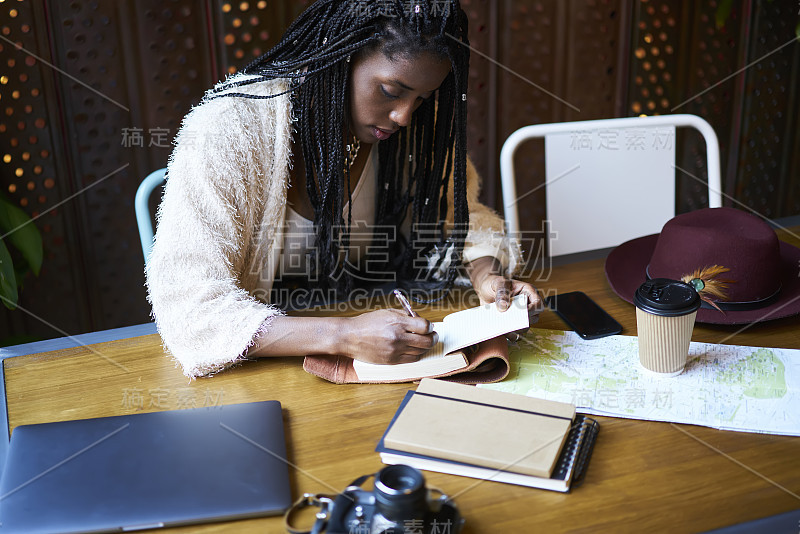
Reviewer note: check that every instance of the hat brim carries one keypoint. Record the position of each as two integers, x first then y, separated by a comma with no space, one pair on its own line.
626,268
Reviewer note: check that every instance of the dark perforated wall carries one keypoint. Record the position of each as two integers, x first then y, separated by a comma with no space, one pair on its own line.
93,91
565,58
739,71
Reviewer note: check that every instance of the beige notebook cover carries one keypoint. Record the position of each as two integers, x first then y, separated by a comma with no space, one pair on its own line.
482,427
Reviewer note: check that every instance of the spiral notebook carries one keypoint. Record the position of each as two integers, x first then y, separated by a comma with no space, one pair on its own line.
456,429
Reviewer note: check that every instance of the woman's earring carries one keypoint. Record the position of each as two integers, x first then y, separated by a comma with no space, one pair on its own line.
348,59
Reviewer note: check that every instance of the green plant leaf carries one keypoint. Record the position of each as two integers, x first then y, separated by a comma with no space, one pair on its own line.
22,233
723,13
20,271
8,280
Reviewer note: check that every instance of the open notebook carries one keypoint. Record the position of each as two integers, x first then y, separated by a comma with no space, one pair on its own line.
456,332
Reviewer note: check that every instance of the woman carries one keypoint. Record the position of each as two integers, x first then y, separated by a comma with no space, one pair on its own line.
357,114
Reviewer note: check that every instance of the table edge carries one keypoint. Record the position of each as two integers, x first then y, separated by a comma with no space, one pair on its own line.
114,334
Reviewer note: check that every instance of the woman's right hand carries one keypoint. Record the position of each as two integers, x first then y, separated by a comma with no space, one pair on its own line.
387,337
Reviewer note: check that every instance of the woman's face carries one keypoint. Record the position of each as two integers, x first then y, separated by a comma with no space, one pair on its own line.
384,92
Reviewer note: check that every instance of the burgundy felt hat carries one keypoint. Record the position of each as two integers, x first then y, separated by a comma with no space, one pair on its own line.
763,275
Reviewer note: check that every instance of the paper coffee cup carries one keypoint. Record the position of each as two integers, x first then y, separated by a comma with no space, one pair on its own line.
665,313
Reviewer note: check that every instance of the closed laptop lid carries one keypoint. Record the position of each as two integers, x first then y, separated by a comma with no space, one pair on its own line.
146,470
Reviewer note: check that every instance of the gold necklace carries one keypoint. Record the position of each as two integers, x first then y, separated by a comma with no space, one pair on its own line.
352,153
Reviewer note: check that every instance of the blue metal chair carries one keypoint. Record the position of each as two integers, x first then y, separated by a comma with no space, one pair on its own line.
143,217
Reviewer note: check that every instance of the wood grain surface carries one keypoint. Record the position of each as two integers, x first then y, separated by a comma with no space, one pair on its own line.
643,476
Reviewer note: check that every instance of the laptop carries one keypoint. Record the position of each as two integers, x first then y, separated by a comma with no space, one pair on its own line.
147,470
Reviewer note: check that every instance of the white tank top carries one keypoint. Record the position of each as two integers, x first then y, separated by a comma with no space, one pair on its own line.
299,236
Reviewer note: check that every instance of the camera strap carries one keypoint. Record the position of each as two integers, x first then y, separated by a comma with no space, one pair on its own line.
326,504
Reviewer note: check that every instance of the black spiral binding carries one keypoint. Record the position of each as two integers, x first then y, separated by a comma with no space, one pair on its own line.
577,450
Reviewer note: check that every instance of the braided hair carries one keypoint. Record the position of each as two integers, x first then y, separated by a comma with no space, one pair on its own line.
315,54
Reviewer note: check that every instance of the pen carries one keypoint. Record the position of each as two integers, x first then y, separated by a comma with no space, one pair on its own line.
404,302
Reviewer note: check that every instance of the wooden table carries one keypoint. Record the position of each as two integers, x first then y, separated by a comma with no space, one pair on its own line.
643,476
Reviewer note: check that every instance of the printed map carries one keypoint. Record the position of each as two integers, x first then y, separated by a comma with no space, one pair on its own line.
728,387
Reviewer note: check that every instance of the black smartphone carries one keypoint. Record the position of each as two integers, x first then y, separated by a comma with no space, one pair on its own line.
583,315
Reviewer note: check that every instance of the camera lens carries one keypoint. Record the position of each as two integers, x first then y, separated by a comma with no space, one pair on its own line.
400,493
399,480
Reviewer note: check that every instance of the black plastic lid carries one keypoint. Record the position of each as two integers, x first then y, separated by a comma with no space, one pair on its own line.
662,296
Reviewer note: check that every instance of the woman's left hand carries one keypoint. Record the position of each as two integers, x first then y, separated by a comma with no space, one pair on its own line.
492,287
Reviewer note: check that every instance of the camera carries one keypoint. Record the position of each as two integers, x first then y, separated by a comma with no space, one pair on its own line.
400,503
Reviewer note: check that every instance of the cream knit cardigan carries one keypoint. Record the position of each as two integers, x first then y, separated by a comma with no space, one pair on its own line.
219,235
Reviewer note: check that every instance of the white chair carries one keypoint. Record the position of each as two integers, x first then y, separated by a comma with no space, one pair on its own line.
607,181
141,203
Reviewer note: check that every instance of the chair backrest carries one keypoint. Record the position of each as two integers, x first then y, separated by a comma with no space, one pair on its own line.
607,181
144,219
